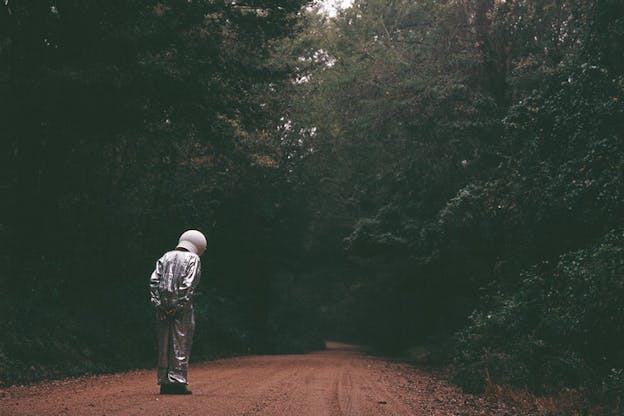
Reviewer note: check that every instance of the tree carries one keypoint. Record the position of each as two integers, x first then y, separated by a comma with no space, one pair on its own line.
457,145
125,123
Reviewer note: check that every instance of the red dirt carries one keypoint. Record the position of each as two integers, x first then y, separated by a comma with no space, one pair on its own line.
339,381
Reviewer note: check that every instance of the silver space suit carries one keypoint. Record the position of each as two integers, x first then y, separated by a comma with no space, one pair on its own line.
172,283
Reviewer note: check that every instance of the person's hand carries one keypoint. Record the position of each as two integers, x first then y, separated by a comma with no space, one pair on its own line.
166,313
161,315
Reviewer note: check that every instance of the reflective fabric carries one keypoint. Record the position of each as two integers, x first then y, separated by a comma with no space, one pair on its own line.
172,283
175,339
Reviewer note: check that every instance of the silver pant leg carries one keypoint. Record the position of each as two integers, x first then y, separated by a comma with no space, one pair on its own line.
181,335
164,346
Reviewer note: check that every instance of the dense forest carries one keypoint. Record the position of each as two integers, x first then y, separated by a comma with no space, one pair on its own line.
436,179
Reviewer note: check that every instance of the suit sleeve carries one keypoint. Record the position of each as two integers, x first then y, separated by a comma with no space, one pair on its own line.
155,284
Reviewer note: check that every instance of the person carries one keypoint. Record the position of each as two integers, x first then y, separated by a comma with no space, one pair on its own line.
172,284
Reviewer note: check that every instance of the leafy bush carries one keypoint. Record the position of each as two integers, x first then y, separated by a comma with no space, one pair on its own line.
563,325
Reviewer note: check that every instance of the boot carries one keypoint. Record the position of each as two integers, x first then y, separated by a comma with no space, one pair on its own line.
181,389
166,389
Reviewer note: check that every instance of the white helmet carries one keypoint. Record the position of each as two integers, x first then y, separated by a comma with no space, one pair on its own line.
193,241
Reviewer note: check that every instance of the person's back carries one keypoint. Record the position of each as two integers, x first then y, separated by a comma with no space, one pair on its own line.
178,269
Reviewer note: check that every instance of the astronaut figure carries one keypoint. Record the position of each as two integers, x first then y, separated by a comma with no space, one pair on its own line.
172,284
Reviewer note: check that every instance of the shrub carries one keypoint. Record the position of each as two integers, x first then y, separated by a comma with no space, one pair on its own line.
561,326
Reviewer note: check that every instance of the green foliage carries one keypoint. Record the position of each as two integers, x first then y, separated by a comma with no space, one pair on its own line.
560,326
398,174
379,235
125,123
462,150
613,389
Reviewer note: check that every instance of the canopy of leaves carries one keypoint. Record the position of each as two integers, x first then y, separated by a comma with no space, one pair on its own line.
458,146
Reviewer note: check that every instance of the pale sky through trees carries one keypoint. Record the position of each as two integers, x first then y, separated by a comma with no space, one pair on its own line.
332,6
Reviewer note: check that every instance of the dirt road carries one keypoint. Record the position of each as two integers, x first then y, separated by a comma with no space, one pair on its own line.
339,381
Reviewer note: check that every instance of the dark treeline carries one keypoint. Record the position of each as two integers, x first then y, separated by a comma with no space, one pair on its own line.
440,177
123,124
